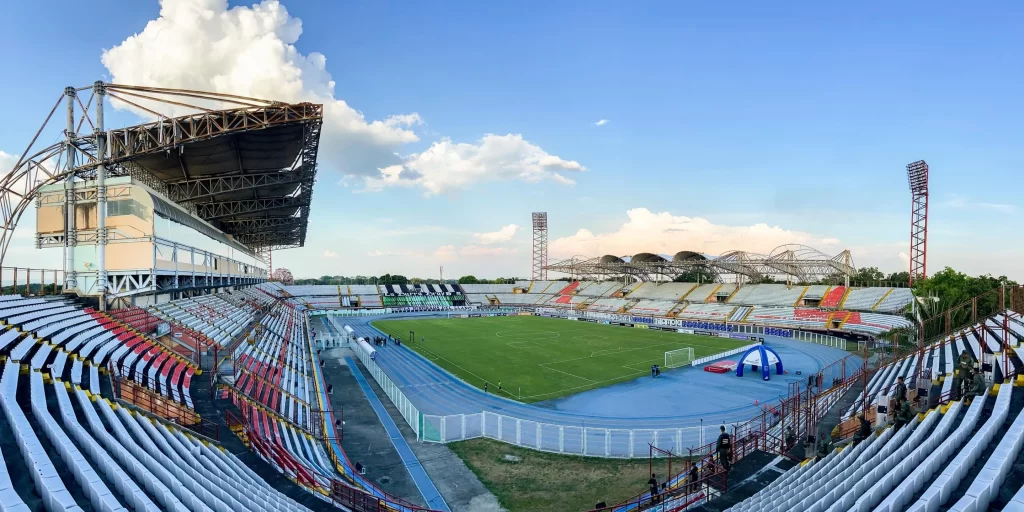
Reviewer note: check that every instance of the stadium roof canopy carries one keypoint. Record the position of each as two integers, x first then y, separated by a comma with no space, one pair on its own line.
798,262
247,169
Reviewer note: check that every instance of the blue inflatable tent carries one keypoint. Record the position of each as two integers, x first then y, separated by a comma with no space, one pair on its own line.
762,356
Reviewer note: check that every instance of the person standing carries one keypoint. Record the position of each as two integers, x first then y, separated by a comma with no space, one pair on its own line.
653,483
724,449
901,389
485,387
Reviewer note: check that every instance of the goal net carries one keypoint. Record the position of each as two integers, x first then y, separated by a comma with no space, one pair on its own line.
678,357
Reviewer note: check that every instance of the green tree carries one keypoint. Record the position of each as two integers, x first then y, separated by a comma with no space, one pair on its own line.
468,280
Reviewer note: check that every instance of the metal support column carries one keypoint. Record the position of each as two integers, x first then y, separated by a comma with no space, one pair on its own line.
101,196
69,200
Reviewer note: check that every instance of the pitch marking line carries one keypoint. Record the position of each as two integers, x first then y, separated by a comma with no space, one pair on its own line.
545,366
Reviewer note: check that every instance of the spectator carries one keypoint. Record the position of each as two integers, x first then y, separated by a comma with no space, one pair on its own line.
724,449
903,414
653,483
901,389
694,477
824,447
978,385
864,431
790,438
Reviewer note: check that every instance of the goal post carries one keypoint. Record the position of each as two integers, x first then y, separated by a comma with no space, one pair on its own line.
678,357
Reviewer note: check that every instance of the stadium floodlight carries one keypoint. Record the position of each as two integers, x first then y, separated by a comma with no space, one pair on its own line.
679,357
917,178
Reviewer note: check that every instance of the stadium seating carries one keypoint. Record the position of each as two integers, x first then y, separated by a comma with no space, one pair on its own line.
599,288
896,301
709,312
72,344
370,301
661,291
487,288
115,459
216,318
813,292
706,292
275,369
652,307
833,297
607,305
864,299
768,295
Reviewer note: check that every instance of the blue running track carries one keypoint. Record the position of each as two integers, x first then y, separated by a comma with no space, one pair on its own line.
681,398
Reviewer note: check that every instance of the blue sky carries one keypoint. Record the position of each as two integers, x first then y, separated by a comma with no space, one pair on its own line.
801,117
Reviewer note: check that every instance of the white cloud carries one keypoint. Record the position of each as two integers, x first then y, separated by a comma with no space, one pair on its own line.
476,250
448,165
966,203
664,233
905,259
445,252
330,254
378,253
602,122
502,235
7,162
250,51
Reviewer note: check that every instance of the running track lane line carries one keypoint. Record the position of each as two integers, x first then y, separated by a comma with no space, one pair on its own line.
419,476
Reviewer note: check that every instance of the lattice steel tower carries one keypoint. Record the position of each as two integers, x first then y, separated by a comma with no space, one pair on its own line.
917,176
540,246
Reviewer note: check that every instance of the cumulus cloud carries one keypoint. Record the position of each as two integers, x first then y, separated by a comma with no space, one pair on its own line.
250,51
502,235
448,165
905,259
601,122
330,254
664,233
7,162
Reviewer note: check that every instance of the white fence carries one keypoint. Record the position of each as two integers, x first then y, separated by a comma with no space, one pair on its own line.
405,407
567,439
707,359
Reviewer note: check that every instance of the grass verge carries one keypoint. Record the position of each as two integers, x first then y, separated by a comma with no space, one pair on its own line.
542,482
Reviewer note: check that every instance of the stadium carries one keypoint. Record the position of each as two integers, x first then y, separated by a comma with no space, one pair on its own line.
165,367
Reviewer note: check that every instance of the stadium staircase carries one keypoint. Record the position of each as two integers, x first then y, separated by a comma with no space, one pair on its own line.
568,290
799,299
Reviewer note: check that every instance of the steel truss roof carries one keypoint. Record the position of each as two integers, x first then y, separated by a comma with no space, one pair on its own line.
799,262
248,170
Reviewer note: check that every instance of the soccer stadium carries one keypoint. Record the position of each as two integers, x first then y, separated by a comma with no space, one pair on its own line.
167,365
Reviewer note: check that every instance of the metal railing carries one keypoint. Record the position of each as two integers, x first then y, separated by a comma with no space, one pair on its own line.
31,281
409,411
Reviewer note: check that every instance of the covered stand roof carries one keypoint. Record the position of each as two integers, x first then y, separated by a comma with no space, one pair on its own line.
248,171
798,261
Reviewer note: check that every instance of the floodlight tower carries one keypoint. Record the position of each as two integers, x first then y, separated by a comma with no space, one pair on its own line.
540,246
917,176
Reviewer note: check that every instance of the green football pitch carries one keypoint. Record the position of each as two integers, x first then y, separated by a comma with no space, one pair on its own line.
536,358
